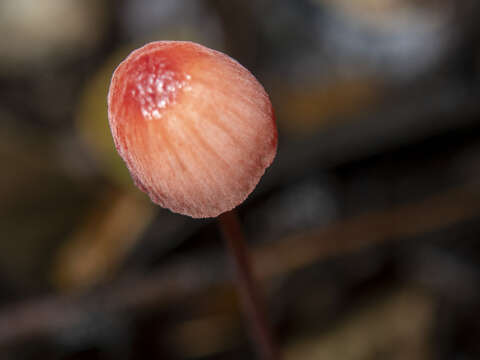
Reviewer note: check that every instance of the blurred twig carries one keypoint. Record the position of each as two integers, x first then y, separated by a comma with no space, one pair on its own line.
434,213
183,279
406,116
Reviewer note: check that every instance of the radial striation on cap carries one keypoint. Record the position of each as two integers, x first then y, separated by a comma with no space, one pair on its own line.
194,127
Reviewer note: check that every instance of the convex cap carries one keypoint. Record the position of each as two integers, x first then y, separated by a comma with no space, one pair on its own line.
194,127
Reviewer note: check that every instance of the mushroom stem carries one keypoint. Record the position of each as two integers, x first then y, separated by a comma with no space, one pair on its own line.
248,291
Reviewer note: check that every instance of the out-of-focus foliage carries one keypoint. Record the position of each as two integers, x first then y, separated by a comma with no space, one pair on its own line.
35,33
92,127
364,231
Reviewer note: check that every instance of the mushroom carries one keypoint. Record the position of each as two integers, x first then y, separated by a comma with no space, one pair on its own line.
194,127
197,131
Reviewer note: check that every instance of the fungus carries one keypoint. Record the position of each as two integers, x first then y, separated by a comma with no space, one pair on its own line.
194,127
197,131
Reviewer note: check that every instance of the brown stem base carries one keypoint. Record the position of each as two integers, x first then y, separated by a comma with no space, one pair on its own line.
248,291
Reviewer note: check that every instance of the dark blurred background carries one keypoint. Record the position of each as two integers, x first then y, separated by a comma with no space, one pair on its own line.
365,230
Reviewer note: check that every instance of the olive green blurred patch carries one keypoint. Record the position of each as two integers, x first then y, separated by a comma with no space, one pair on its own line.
92,122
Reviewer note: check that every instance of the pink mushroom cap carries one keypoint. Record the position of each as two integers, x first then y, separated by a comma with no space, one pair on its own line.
194,127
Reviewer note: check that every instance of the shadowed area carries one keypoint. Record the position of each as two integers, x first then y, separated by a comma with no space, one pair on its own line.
363,231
